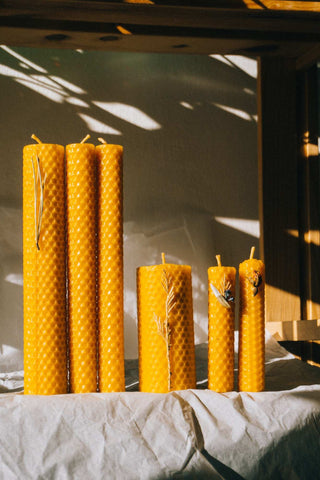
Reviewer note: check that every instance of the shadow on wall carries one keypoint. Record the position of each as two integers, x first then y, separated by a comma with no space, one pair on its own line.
188,127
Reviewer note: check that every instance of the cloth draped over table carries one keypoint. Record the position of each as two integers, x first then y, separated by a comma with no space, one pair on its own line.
183,434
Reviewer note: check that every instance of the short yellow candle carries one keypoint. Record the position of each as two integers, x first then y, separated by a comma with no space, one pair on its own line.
110,267
221,294
81,235
165,326
44,282
252,325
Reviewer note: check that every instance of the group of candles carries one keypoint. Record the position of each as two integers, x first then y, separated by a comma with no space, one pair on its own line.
73,289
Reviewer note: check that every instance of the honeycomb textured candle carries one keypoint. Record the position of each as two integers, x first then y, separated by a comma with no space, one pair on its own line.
221,293
252,326
110,268
44,283
81,235
165,326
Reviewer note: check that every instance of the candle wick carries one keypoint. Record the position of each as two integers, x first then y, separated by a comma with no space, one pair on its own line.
102,140
163,258
85,138
218,257
34,137
252,252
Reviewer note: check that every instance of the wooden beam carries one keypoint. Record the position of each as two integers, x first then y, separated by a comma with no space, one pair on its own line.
278,187
179,26
302,6
33,12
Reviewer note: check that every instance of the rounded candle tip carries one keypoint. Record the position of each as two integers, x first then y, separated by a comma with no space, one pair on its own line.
163,258
252,252
218,257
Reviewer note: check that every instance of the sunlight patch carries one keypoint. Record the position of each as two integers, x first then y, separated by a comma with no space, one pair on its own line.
130,114
15,278
235,111
77,102
98,127
251,227
42,79
187,105
44,91
23,59
70,86
247,65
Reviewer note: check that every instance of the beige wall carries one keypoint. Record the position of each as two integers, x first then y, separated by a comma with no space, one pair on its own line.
188,127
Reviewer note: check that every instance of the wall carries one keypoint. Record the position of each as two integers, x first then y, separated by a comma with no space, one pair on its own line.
188,127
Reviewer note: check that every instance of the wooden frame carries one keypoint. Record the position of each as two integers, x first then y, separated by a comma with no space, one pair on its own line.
285,36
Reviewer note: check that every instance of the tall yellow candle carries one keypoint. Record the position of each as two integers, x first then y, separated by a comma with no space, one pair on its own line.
110,267
221,294
165,328
81,237
252,325
44,273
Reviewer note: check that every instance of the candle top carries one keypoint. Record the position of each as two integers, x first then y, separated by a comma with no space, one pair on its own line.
80,144
220,266
40,143
108,145
164,264
251,260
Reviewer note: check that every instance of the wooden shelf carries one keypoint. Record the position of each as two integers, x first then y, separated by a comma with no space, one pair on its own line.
245,27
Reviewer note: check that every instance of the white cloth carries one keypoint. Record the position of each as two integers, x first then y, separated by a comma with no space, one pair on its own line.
186,434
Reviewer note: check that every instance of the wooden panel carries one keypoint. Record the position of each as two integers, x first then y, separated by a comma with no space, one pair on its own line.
278,187
173,27
309,200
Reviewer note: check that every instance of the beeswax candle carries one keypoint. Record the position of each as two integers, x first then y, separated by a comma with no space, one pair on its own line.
44,280
110,268
81,237
221,293
252,325
165,328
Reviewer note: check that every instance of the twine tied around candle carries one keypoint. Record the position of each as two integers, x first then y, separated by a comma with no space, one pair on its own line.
163,326
39,185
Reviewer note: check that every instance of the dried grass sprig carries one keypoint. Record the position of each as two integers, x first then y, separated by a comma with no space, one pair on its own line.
39,184
223,295
163,325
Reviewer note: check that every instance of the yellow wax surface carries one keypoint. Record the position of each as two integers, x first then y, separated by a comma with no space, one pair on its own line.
44,284
221,328
252,326
164,296
110,268
81,235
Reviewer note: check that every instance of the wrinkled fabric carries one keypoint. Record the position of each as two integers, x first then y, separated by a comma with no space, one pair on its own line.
198,434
